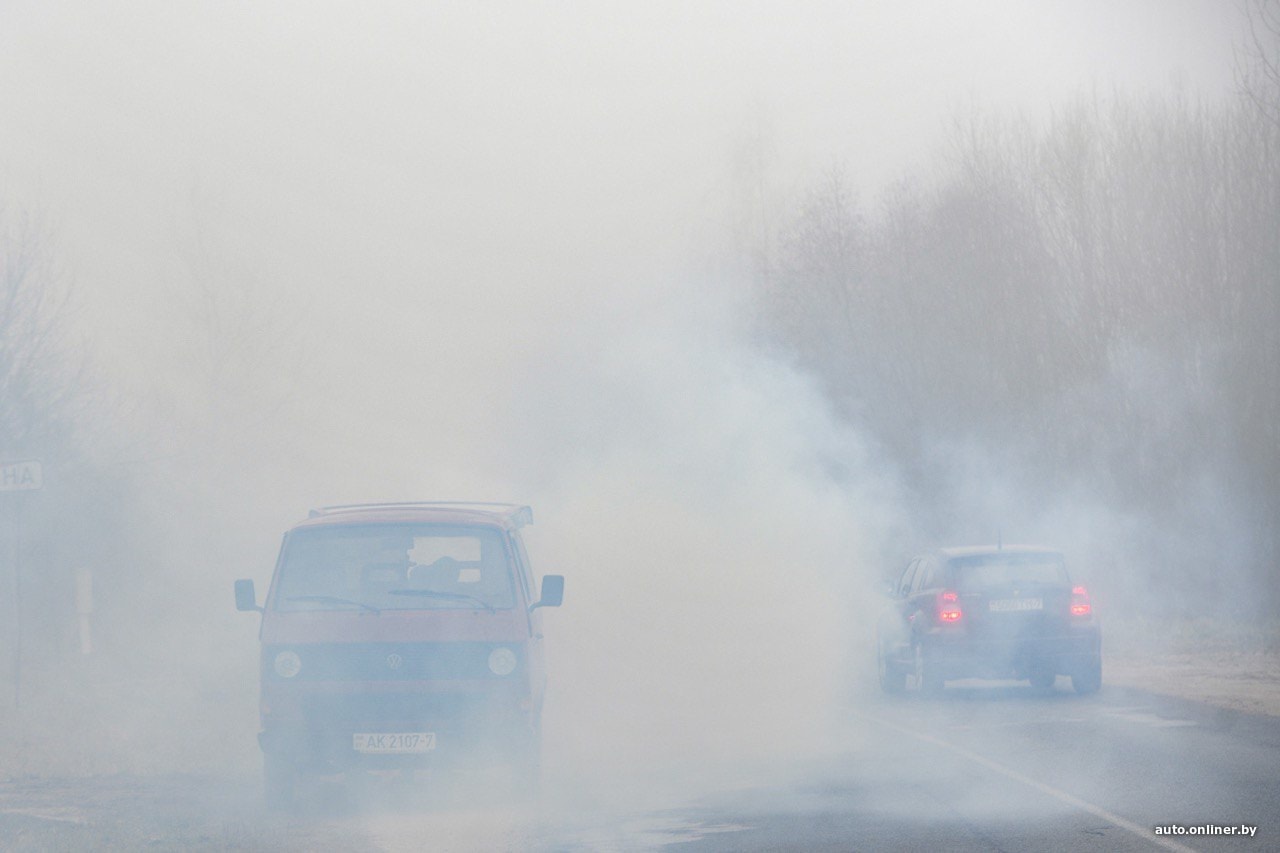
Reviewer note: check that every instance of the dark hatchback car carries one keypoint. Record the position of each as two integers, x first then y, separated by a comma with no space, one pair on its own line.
397,636
988,612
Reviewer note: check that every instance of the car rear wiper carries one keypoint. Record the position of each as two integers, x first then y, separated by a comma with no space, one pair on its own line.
333,599
435,593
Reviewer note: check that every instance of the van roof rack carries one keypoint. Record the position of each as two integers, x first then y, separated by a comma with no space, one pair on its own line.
517,514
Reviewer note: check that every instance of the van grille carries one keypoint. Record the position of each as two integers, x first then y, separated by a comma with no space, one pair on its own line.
388,661
389,707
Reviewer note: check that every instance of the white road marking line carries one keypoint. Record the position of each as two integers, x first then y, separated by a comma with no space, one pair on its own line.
1143,832
1148,719
1016,725
60,815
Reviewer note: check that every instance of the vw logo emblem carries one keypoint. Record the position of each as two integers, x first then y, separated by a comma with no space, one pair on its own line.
394,660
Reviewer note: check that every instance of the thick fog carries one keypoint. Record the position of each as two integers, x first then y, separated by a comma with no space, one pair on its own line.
578,256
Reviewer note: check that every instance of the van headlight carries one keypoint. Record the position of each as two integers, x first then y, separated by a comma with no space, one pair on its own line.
288,664
502,661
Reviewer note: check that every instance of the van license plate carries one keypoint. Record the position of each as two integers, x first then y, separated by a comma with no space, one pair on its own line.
1005,605
393,743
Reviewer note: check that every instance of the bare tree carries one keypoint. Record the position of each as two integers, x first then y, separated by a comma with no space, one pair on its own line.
1258,59
817,285
38,384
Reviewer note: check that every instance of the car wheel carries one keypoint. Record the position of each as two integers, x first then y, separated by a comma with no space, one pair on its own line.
1042,676
278,777
1088,680
927,678
892,679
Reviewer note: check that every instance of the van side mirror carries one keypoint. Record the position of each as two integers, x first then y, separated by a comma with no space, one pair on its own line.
246,598
552,592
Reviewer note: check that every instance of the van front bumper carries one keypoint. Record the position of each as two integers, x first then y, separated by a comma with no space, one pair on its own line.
316,730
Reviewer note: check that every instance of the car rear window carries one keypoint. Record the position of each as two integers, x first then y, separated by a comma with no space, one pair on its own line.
995,570
394,567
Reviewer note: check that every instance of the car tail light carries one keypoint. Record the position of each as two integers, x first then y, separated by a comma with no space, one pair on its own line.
1080,602
949,607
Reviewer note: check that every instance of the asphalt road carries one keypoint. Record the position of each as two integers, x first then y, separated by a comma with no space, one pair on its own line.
1007,768
983,767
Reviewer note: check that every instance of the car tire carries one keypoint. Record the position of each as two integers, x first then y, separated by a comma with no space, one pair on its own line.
927,677
278,779
1042,676
893,680
1088,680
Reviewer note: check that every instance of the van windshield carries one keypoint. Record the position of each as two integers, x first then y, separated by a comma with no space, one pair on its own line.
394,567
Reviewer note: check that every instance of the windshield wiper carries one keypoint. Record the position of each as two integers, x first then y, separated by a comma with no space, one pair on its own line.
435,593
333,599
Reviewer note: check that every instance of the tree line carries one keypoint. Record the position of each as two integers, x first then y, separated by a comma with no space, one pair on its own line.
1087,306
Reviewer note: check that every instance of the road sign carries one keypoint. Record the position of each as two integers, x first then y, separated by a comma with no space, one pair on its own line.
21,476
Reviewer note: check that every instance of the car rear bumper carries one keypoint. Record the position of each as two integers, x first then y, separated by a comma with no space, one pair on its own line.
965,657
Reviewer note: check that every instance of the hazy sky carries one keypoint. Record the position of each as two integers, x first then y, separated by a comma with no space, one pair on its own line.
539,132
509,170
